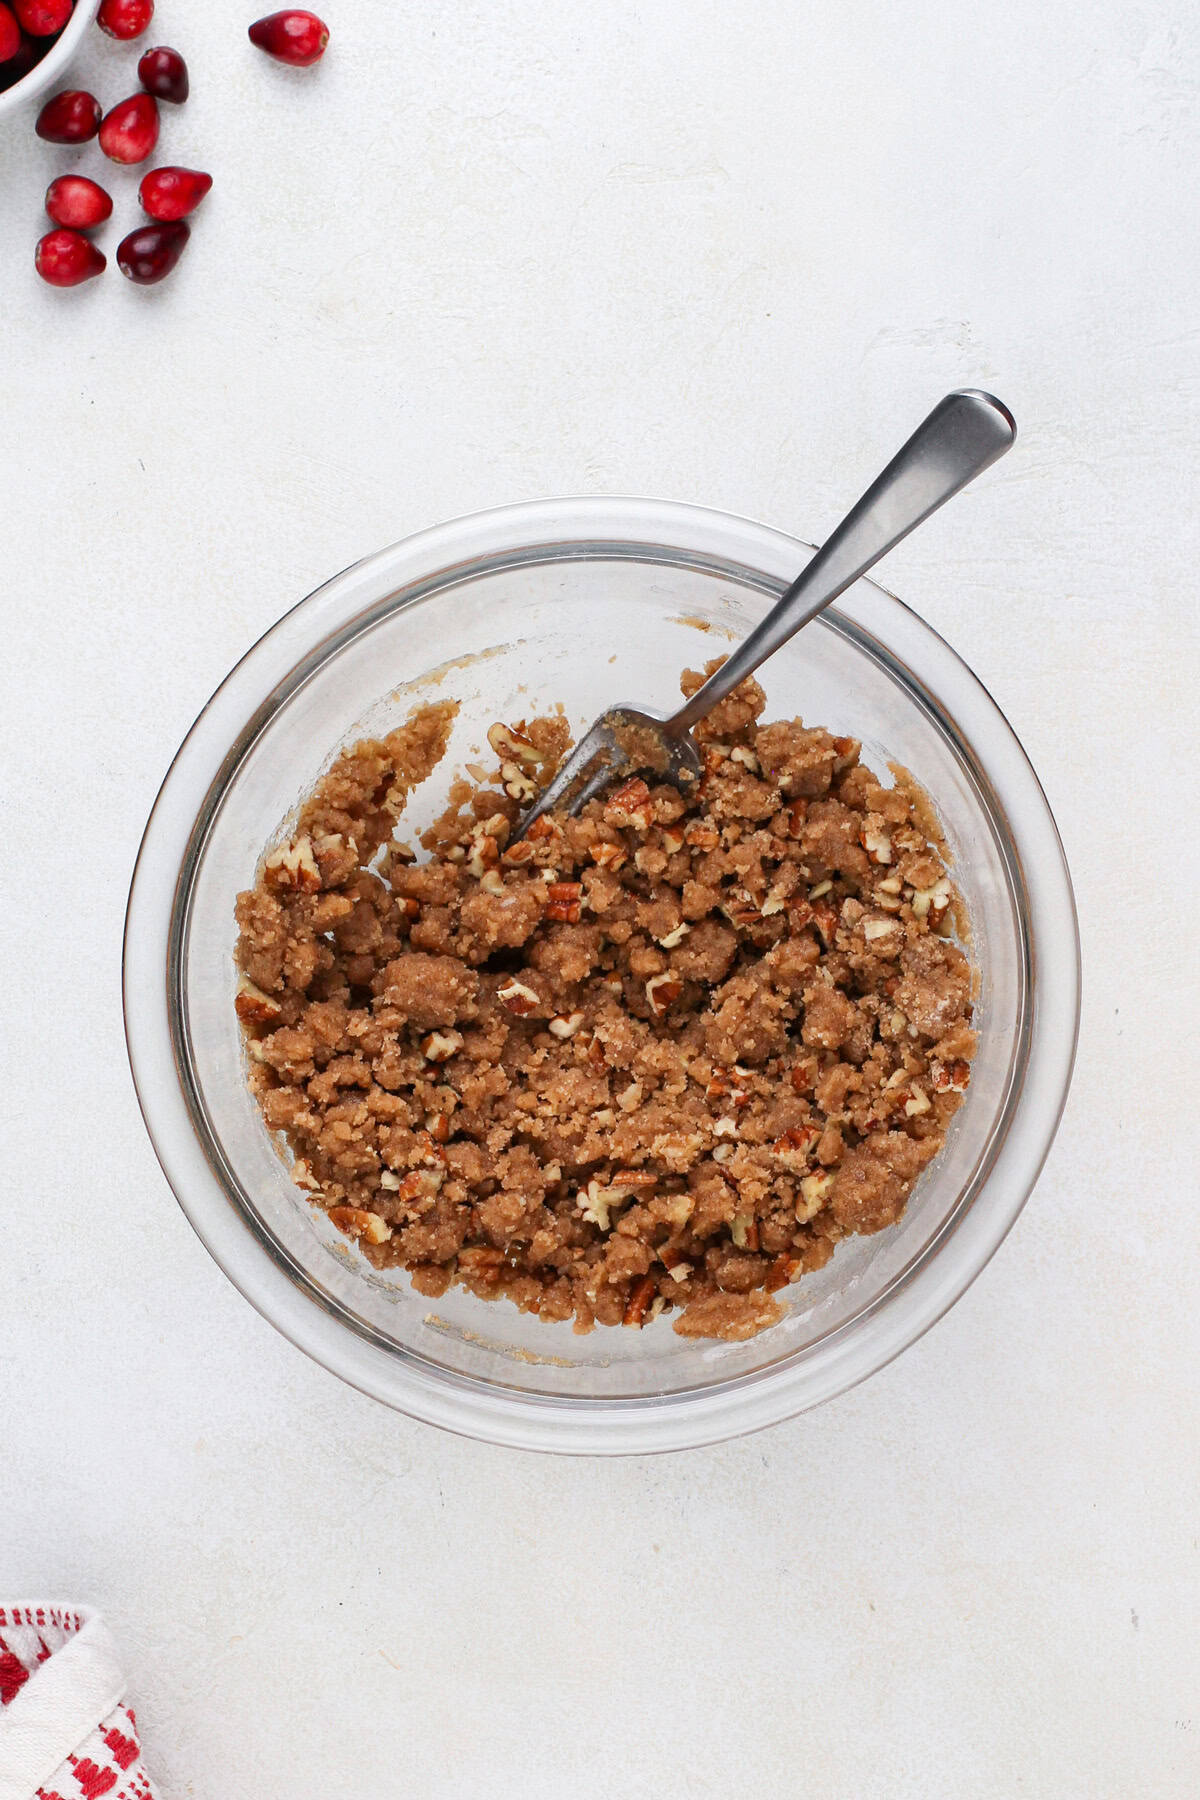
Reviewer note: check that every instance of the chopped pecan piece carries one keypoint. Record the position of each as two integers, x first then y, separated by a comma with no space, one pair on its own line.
630,805
826,917
634,1181
726,1084
814,1191
950,1078
484,854
804,1075
293,866
640,1296
934,899
875,839
356,1223
511,743
517,784
608,856
516,998
563,899
794,1149
781,1271
662,991
254,1007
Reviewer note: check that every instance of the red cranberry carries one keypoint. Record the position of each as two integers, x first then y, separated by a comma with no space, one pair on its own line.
163,73
10,34
64,259
130,131
125,19
291,37
29,52
43,18
149,254
172,193
76,201
69,118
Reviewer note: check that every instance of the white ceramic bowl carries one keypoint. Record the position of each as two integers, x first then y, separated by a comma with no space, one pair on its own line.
50,73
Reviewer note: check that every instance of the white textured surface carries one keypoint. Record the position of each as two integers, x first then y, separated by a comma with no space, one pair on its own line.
729,254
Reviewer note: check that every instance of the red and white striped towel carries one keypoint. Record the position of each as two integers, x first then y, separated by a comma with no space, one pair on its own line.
65,1731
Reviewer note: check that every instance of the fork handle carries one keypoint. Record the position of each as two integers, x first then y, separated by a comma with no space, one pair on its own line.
963,435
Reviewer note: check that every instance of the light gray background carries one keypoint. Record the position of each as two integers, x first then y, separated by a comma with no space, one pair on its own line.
729,254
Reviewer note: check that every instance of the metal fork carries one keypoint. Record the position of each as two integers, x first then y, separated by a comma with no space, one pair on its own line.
963,435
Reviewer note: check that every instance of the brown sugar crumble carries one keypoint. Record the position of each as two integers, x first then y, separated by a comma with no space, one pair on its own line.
659,1057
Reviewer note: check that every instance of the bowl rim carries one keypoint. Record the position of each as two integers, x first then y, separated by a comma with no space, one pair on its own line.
55,62
695,1416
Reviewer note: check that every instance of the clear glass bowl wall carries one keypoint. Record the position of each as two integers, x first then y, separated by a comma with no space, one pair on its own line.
508,613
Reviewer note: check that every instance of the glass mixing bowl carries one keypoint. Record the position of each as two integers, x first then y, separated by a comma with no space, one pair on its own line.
586,601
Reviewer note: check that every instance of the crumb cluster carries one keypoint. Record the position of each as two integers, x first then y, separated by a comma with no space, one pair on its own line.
662,1056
